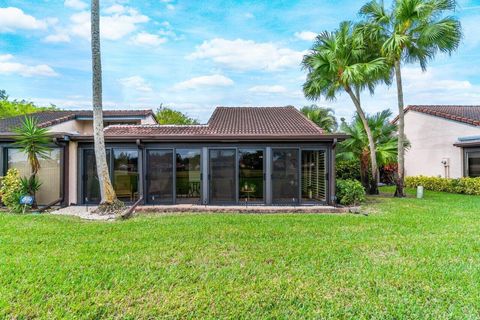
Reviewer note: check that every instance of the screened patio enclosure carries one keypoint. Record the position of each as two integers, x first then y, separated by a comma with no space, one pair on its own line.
246,175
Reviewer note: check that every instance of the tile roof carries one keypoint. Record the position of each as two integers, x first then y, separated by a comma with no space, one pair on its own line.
50,118
465,114
232,123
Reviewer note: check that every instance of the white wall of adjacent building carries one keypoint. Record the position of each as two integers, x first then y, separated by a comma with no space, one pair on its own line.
432,141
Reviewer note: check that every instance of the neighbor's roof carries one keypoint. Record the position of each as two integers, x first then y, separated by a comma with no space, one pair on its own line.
50,118
465,114
231,123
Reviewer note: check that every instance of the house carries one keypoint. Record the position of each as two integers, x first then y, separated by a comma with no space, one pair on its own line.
445,141
254,155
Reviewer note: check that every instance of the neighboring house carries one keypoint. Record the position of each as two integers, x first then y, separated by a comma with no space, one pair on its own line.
445,141
242,155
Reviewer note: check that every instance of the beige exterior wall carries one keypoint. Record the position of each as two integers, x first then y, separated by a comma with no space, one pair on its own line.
149,120
432,140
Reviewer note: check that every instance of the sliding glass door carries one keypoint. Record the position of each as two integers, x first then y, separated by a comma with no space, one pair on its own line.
91,185
285,188
125,174
473,163
251,175
314,173
222,176
159,176
188,176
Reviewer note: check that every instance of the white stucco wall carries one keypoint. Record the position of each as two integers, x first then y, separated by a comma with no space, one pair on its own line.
432,140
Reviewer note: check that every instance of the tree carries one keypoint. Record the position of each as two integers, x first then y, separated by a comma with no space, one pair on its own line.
34,142
356,147
107,193
343,61
165,115
322,117
412,31
12,108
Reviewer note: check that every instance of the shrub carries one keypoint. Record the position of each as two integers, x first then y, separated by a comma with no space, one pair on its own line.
460,185
348,170
11,190
350,192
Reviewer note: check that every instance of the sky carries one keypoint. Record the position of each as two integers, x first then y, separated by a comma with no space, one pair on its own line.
196,55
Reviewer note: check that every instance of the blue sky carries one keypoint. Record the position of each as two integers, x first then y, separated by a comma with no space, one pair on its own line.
195,55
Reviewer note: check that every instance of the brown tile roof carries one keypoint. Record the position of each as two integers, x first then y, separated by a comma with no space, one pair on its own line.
465,114
279,123
50,118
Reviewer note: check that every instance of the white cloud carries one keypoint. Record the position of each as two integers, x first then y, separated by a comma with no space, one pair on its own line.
113,27
168,4
136,83
264,89
58,37
249,15
7,66
116,8
148,39
306,35
12,19
245,55
75,4
215,80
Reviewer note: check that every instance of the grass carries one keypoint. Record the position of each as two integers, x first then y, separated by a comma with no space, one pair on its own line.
409,259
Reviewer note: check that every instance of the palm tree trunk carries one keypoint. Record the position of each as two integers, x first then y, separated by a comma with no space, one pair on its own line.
400,191
371,143
106,189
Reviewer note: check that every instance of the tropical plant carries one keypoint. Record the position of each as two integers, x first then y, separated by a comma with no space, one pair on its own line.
34,141
412,31
356,147
11,108
165,115
344,61
11,190
322,117
107,193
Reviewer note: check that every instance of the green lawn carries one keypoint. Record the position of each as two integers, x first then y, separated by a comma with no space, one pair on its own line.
409,259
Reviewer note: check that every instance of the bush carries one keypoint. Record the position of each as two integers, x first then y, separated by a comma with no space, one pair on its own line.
348,170
460,185
11,190
350,192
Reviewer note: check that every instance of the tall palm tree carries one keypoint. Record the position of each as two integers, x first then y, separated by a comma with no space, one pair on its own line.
343,61
356,147
412,31
108,196
322,117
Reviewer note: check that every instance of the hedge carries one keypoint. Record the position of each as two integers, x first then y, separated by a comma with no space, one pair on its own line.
460,185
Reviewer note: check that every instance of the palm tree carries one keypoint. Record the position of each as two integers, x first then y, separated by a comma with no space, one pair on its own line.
34,142
343,61
413,31
108,196
356,147
322,117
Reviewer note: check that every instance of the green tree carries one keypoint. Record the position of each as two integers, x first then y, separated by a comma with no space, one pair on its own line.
356,147
322,117
344,61
412,31
34,142
12,108
107,193
165,115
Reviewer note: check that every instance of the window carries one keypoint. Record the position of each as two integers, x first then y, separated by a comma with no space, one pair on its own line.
160,176
49,174
250,166
188,174
473,163
314,176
